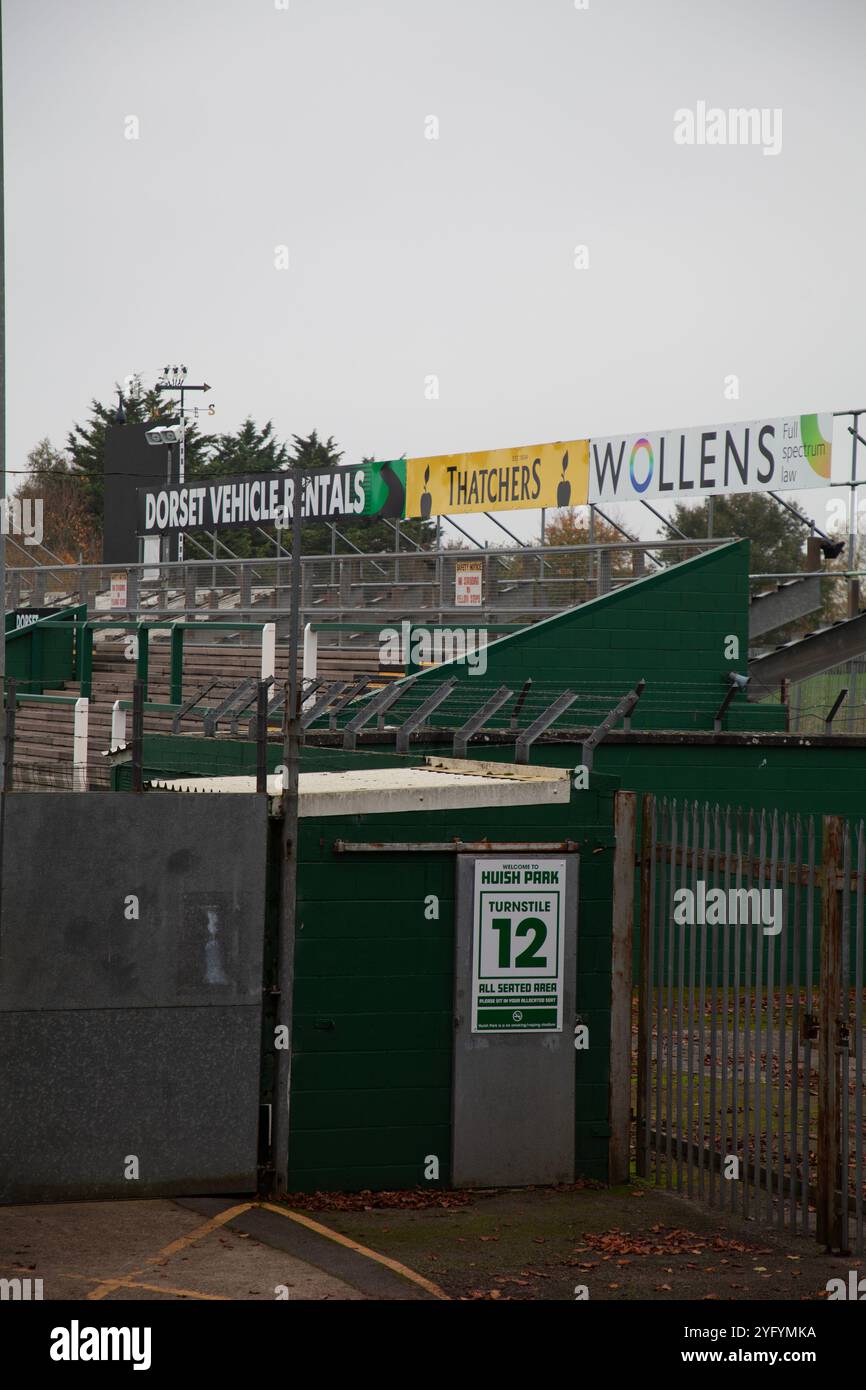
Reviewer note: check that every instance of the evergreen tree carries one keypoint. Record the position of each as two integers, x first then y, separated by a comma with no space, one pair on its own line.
777,538
248,450
85,444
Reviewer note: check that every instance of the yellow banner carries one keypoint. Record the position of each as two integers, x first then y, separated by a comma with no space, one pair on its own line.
499,480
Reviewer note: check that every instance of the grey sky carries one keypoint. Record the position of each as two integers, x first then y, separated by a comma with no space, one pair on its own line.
409,257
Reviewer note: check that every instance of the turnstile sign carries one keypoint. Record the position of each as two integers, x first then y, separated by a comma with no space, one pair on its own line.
518,945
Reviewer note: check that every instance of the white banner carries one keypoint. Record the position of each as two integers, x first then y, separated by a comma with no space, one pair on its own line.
781,455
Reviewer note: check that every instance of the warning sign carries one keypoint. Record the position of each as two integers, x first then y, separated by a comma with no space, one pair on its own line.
517,945
119,590
468,584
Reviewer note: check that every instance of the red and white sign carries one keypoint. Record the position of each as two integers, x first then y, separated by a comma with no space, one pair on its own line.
468,586
118,590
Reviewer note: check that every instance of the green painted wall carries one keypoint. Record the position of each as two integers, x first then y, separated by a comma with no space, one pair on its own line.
669,629
40,656
802,778
373,1024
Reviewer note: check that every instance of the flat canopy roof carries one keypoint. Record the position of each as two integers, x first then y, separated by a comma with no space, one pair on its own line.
444,784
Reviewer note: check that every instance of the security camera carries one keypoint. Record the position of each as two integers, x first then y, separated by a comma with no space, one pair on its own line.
737,680
831,550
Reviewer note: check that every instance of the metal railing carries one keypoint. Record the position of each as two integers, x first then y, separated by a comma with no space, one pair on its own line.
750,1035
518,584
837,695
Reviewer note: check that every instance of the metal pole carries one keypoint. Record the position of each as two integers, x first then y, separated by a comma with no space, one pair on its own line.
853,584
181,471
137,733
2,491
852,522
9,737
262,736
288,866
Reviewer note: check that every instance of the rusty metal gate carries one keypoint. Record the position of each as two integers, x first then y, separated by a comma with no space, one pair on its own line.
750,1029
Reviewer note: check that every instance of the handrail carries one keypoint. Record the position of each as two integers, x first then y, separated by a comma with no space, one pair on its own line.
700,542
67,620
323,626
61,620
85,627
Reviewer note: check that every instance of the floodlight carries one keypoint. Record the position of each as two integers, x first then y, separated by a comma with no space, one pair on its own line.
163,434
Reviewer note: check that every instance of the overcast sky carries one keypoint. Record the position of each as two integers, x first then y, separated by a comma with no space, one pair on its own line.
305,126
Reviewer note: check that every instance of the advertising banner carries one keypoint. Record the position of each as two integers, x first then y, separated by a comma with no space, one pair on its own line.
785,454
517,945
499,480
265,499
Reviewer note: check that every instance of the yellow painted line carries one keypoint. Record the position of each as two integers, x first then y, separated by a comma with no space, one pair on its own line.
109,1285
106,1287
398,1268
178,1293
130,1283
200,1232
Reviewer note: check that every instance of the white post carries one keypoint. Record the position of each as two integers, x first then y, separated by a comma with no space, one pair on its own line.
269,650
118,725
311,657
311,650
79,746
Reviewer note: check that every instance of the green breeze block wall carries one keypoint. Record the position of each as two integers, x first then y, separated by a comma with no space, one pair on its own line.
804,777
669,628
374,989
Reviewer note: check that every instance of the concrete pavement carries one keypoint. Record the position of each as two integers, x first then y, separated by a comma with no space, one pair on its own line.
207,1248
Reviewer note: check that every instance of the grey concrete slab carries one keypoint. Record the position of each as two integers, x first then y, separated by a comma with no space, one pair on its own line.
131,947
372,1279
84,1093
152,1250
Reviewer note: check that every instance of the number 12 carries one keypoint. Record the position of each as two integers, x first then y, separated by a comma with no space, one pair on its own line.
528,957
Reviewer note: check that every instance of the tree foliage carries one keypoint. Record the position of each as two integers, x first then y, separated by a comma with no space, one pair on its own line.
85,444
76,522
777,539
69,527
